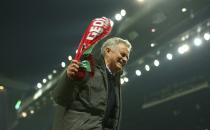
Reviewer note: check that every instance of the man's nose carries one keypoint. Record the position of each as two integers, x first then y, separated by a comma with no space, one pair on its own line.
124,60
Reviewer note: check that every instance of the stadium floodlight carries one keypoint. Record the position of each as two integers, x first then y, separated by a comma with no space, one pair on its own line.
169,56
126,79
49,76
54,71
206,36
138,72
183,49
147,68
123,12
153,30
2,88
122,81
184,10
197,41
44,81
17,105
37,94
156,62
39,85
69,58
24,114
63,64
140,1
152,44
118,17
32,111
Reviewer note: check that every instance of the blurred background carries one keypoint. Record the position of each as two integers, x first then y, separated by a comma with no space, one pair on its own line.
165,84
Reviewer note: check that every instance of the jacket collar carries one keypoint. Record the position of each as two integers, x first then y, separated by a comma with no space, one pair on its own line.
100,63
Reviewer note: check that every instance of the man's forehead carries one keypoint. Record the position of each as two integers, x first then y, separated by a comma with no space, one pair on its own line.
123,47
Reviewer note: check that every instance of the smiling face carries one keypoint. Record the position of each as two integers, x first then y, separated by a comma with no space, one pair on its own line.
116,57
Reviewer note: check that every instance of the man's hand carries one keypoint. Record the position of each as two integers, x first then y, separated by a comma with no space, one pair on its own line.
72,69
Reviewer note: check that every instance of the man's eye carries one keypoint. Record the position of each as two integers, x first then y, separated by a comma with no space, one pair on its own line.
124,55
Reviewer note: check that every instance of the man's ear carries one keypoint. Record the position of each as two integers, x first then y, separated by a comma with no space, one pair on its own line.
107,50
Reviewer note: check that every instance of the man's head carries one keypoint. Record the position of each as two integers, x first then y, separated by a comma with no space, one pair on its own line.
116,53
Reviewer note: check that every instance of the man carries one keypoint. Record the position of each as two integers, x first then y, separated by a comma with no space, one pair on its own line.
94,102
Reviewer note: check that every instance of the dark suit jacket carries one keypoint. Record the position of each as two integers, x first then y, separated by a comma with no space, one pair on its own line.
82,103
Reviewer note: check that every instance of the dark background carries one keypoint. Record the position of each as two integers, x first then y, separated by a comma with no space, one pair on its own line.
36,36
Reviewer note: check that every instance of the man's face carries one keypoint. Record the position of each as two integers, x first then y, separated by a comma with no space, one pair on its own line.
117,57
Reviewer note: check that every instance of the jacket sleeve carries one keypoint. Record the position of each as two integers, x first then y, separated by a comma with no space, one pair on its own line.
65,90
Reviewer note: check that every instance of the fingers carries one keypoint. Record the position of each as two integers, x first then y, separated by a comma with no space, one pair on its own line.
75,64
73,68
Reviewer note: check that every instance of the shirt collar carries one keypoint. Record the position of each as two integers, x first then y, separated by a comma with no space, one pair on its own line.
109,70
